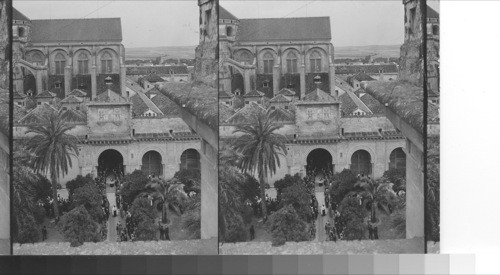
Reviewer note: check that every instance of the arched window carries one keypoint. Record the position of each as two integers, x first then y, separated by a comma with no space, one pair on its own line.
435,30
229,31
83,63
291,63
361,163
190,159
36,58
315,60
245,57
106,63
268,63
60,62
397,159
21,32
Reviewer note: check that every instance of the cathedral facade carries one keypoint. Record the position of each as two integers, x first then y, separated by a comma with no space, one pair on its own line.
285,65
76,67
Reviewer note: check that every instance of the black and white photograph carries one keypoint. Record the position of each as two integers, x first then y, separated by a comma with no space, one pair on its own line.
115,127
321,124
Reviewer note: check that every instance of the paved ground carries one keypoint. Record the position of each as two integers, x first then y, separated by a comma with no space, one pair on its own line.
189,247
112,221
402,246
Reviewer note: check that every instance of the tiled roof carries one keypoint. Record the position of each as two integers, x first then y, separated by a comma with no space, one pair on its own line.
369,68
18,95
73,30
284,29
347,104
280,98
75,116
254,93
71,99
167,106
224,94
370,102
282,115
431,13
78,93
159,70
224,14
286,92
17,15
139,107
318,96
361,76
153,78
244,114
225,112
358,102
34,115
149,103
45,94
134,86
110,96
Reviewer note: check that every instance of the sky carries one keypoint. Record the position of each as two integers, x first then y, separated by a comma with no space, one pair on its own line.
353,23
144,23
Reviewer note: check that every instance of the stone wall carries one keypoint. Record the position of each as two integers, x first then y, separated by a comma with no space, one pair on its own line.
411,63
5,7
366,124
206,53
144,125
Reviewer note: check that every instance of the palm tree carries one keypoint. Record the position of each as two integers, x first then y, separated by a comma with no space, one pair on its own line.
379,194
169,194
52,148
260,148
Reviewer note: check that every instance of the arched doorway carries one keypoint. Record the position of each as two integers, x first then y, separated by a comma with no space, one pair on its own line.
110,164
151,163
190,160
361,163
319,163
397,159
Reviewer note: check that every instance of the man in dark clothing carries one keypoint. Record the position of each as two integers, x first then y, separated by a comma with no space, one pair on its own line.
44,233
252,232
165,233
162,232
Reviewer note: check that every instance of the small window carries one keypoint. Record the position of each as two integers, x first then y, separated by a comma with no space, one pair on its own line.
78,108
265,84
57,85
247,102
39,103
64,108
286,107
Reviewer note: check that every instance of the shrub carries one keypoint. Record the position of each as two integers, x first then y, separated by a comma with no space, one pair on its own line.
141,210
90,197
27,230
78,227
43,189
191,179
286,225
39,213
297,196
146,230
343,183
397,177
192,223
250,188
78,182
133,184
235,231
286,182
352,216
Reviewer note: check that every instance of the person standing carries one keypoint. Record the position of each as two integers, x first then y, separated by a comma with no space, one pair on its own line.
160,228
44,233
323,210
114,210
252,232
166,234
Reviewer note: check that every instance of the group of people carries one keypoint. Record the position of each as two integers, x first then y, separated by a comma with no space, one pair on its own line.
126,233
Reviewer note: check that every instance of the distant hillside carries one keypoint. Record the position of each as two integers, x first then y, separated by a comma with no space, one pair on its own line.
362,51
153,52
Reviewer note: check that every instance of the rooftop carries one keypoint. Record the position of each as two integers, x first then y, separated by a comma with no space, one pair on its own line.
318,96
76,30
367,68
284,29
224,14
200,100
402,98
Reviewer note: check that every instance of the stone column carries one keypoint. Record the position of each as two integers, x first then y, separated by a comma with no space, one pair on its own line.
276,79
246,81
93,78
331,75
302,80
39,81
123,75
67,80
